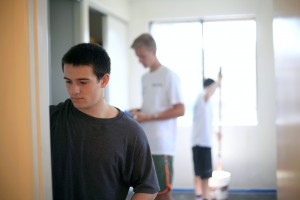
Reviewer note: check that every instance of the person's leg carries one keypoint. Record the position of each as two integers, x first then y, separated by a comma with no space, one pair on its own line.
207,172
197,171
165,196
164,171
205,188
198,188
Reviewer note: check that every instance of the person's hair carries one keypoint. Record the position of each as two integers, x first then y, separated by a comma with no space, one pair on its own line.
207,82
146,40
88,54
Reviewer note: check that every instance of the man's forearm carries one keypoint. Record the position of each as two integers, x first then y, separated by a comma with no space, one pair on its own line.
143,196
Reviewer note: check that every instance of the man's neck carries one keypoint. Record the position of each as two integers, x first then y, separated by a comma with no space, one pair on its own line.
155,66
104,111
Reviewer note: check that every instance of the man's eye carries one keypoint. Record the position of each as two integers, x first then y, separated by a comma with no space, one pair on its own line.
83,82
68,82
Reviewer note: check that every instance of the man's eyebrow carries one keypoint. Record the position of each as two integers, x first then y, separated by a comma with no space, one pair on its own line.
80,79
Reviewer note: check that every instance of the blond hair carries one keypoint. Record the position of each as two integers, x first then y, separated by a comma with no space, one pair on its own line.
146,40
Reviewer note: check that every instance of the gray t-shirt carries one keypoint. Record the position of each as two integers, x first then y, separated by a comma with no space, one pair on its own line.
96,158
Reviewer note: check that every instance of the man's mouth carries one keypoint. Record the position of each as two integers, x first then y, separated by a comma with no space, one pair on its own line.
76,98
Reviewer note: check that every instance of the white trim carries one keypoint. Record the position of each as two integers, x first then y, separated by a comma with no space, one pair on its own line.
41,97
33,98
81,22
44,82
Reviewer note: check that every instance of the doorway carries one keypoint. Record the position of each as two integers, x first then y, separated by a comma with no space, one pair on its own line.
96,26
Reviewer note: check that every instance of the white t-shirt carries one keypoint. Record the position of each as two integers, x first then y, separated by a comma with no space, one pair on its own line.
161,90
202,123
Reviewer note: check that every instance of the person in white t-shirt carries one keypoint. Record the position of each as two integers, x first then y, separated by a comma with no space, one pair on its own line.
162,104
202,133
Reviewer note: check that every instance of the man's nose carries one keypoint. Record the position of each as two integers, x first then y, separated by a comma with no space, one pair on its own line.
75,89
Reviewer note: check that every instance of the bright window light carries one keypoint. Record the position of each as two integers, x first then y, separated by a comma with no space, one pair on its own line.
197,50
183,55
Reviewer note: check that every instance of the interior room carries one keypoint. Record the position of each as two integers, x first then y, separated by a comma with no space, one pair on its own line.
259,129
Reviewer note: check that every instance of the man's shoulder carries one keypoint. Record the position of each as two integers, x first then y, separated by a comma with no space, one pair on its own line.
60,106
168,71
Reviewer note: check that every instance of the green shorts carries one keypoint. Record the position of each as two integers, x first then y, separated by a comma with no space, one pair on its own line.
164,170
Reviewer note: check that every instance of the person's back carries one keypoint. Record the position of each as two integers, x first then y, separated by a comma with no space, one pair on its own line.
95,147
202,122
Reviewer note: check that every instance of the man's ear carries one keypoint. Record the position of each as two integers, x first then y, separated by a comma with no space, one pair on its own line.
104,80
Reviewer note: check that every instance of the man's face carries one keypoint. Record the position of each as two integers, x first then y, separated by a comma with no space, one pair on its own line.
85,91
146,56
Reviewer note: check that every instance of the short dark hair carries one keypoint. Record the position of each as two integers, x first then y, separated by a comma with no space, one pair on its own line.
145,39
207,82
88,54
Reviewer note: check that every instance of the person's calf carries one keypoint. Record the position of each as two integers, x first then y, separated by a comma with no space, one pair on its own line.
165,196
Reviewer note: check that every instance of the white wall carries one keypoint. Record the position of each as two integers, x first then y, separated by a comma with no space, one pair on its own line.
287,64
116,8
249,153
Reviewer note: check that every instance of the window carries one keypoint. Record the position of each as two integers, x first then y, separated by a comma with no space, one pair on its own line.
197,49
183,55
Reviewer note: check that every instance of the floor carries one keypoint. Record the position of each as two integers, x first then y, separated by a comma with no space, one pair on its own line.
230,196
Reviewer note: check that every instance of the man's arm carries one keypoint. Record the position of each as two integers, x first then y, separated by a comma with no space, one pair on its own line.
211,89
176,111
143,196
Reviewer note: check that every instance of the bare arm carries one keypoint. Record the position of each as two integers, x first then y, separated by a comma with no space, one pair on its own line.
209,91
176,111
143,196
212,88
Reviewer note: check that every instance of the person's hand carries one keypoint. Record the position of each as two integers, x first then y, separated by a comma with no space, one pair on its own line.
142,117
219,136
134,111
220,76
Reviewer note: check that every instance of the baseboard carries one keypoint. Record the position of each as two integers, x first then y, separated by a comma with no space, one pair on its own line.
188,190
252,190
